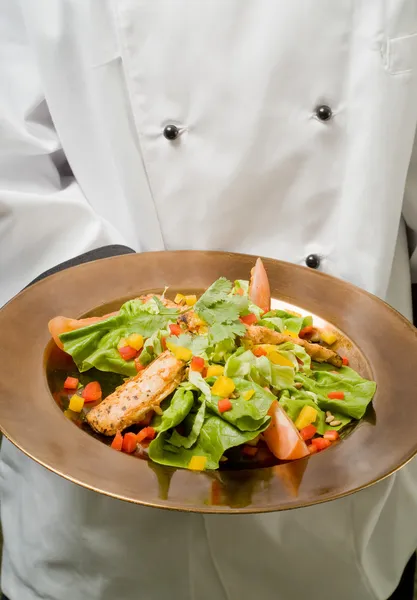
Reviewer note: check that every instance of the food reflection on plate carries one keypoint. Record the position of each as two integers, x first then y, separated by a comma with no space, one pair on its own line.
217,383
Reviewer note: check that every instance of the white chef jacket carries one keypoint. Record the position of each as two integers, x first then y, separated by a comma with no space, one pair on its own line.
86,90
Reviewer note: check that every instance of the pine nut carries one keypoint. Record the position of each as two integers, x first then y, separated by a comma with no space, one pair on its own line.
328,413
335,423
329,419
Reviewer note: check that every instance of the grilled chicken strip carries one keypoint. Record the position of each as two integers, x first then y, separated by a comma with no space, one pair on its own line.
192,321
130,402
263,335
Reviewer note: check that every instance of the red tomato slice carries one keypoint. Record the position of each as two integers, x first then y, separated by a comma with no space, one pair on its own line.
60,325
282,436
92,392
259,290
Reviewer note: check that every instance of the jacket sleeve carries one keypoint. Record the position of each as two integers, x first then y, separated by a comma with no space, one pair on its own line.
44,217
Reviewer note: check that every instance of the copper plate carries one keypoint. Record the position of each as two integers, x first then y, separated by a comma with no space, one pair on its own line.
379,342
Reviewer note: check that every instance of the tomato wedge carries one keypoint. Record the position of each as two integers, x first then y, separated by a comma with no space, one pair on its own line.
60,325
282,437
259,290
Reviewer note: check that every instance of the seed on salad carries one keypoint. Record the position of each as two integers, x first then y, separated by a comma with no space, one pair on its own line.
329,419
328,413
298,385
335,423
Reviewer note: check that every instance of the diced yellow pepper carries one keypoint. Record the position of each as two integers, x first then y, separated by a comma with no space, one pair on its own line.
214,371
180,352
203,329
248,394
290,333
278,359
307,415
76,403
179,299
197,463
329,337
190,300
247,344
135,340
223,387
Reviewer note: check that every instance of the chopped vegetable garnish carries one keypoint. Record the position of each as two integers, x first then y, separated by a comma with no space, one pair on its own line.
248,395
223,387
129,443
175,329
128,353
308,432
139,366
345,361
135,341
76,403
197,364
224,405
336,395
214,370
190,300
328,337
307,416
71,383
250,450
117,442
259,351
92,392
290,333
197,463
331,435
278,359
320,443
147,433
306,332
249,319
179,299
179,352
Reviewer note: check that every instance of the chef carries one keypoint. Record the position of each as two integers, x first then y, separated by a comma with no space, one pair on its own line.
282,129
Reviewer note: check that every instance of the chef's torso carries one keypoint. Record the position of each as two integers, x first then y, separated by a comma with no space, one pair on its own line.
296,123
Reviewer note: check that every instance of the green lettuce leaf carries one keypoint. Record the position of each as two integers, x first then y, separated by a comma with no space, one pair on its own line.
216,436
293,403
245,415
174,410
358,391
96,345
192,423
280,320
260,370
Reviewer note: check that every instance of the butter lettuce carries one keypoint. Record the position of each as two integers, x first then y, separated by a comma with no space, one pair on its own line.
260,370
280,320
324,379
96,345
293,404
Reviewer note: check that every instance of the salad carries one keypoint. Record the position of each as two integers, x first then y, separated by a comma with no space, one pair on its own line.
199,381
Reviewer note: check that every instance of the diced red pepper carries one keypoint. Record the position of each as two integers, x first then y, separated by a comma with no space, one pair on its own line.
92,392
175,329
308,432
249,450
331,435
312,449
129,443
204,373
249,319
320,443
117,442
224,405
164,343
148,433
336,395
197,364
345,361
139,366
71,383
239,292
128,353
259,352
306,332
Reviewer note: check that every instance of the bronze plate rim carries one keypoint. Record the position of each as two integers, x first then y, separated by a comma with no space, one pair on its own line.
298,273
